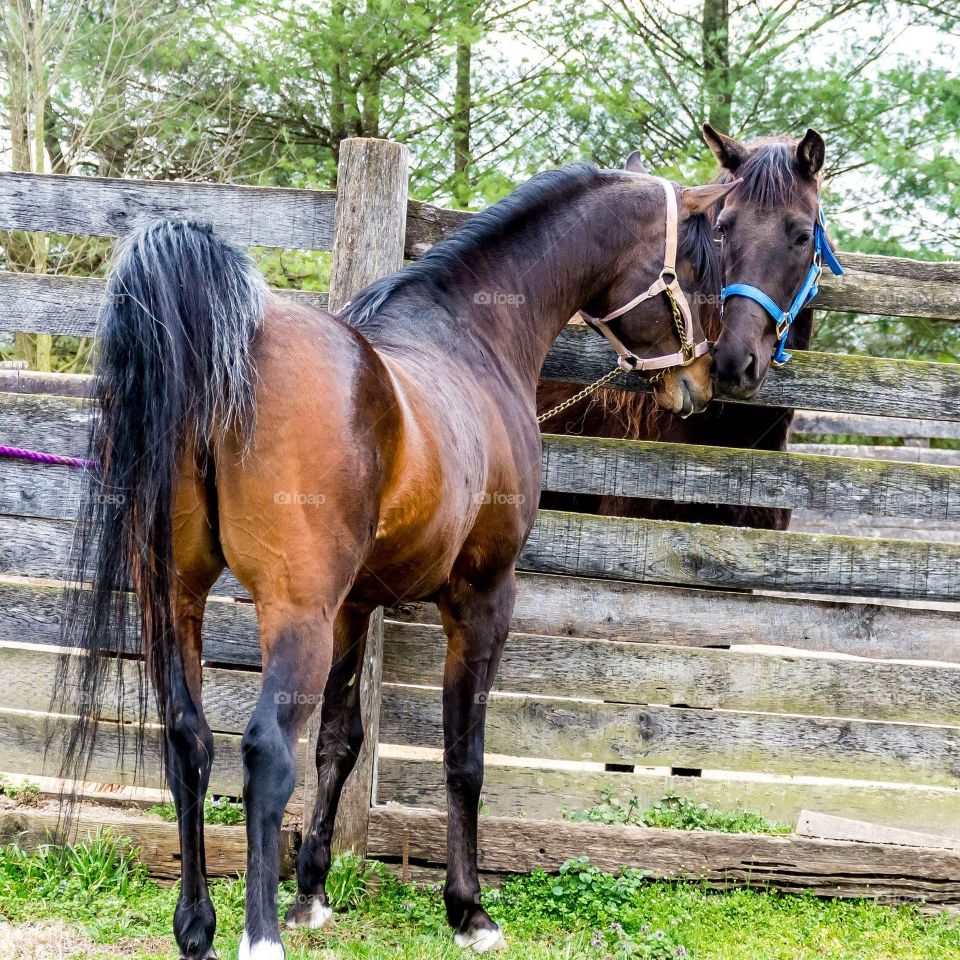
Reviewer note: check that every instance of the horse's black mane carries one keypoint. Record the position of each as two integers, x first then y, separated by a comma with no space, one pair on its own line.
697,246
769,175
437,265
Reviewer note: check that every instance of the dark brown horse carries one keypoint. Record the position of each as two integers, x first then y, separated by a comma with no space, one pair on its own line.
337,463
770,216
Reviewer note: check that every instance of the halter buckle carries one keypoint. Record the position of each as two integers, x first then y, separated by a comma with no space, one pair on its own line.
668,272
628,362
783,326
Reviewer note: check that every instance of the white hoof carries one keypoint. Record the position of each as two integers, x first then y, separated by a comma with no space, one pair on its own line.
482,941
317,916
261,950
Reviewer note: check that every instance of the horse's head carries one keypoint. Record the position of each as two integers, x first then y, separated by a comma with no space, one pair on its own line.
768,231
651,310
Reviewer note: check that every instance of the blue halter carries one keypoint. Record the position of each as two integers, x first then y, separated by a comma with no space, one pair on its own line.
808,290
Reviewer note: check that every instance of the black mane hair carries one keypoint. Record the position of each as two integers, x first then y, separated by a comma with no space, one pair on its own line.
769,174
477,233
697,246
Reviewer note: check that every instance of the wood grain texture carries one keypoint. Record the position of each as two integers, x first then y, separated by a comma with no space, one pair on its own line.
931,455
707,474
811,381
890,286
52,424
71,305
526,726
372,177
813,823
795,864
24,739
627,468
538,793
157,843
105,207
656,551
625,672
30,612
56,384
891,528
814,422
648,551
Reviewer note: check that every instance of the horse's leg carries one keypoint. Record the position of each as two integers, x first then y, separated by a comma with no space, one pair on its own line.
297,641
338,744
476,621
189,742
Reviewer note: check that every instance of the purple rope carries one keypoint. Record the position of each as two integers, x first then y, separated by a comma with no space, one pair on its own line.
35,456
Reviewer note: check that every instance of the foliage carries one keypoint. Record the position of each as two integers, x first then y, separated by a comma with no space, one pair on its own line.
580,912
27,794
221,811
674,812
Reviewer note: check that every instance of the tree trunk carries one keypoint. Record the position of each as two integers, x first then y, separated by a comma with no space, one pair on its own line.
717,80
462,103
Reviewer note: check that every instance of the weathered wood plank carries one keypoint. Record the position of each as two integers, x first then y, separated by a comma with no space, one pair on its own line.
893,528
157,842
827,868
853,424
71,305
57,384
23,749
648,551
931,455
31,613
682,472
527,726
626,672
52,424
98,206
229,696
812,823
538,793
705,554
706,474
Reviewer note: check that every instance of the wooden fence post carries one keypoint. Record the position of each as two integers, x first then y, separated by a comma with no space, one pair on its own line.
368,240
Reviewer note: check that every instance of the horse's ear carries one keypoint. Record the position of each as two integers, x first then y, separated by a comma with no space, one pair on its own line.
811,151
730,153
694,200
635,163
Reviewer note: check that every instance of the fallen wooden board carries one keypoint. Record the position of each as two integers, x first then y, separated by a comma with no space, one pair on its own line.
538,793
826,868
825,826
157,843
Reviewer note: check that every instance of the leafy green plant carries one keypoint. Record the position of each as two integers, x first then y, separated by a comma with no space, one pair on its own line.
221,811
27,794
348,883
674,812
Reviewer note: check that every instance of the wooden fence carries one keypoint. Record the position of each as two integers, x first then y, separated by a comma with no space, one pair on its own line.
789,670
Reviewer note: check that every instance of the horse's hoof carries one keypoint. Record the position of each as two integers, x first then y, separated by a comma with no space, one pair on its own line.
482,941
308,912
261,950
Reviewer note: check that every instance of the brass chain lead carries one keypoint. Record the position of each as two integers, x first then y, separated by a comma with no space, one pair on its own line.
577,397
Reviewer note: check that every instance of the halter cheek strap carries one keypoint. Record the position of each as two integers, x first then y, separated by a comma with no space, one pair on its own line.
667,284
822,253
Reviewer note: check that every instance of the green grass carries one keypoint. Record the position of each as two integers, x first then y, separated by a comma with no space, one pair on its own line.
222,811
580,913
674,812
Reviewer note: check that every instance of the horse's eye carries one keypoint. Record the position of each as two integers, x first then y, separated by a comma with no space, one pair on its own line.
803,239
721,230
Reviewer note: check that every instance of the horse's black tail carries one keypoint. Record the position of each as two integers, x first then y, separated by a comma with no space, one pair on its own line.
174,373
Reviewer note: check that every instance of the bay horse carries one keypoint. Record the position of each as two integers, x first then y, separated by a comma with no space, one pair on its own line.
770,216
340,463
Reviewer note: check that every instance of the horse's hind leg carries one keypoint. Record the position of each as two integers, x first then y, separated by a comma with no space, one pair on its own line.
297,643
338,744
189,741
476,619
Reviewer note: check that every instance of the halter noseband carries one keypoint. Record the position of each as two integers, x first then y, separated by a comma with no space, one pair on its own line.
822,253
668,284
